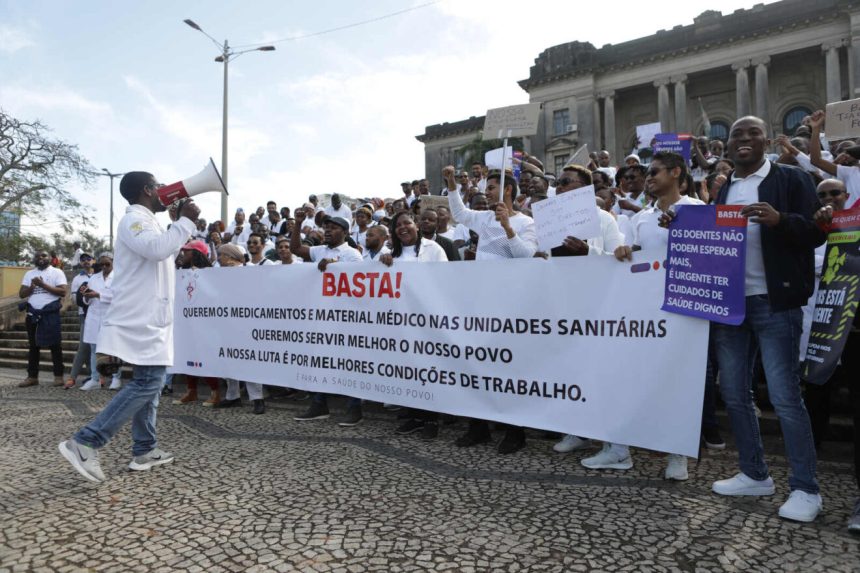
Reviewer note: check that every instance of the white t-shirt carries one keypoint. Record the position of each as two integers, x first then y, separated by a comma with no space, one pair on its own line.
263,262
642,201
430,252
343,212
366,255
296,261
745,192
626,229
493,242
851,177
342,253
647,233
51,276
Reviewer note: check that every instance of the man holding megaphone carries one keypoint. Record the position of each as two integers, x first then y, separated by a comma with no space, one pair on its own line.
138,326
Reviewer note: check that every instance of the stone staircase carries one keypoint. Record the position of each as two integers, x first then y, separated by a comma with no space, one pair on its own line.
14,347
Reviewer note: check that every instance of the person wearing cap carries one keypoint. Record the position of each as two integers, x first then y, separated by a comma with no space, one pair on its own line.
137,328
98,296
335,250
79,283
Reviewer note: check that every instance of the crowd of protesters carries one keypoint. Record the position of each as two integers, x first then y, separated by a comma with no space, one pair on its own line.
789,190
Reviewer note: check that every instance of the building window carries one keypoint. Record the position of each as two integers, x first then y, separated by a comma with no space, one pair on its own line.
560,121
719,130
793,118
558,163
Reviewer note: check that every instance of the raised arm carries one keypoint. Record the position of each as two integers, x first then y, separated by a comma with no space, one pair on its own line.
296,245
816,120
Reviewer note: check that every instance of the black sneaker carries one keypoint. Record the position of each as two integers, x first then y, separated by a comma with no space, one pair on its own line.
315,412
166,391
409,426
513,441
259,406
470,439
430,431
712,438
234,403
353,417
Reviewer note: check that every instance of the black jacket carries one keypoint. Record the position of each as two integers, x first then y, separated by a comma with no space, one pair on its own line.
448,246
788,248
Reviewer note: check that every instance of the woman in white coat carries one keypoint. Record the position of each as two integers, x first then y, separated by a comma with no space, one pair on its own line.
98,296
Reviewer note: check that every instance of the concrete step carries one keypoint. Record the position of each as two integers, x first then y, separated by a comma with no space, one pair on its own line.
71,345
44,364
65,328
22,335
21,354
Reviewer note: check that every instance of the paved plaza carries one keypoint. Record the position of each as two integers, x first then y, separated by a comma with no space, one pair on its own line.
266,493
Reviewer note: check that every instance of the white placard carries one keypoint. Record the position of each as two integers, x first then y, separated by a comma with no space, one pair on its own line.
646,134
493,158
570,214
581,357
842,120
512,121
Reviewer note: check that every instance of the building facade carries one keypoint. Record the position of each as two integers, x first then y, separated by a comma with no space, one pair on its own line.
780,62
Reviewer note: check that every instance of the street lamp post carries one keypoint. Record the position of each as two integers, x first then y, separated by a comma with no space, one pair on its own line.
227,55
112,177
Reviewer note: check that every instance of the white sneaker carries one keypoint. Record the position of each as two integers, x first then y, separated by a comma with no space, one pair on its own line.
742,484
115,383
84,459
91,384
609,458
676,469
801,506
570,443
155,457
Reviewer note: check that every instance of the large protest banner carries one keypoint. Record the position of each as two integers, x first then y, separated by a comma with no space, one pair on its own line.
707,261
561,346
837,298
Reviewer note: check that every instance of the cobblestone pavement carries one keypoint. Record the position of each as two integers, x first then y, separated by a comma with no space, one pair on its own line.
266,493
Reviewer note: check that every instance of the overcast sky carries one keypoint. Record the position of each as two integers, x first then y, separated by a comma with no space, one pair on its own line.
135,88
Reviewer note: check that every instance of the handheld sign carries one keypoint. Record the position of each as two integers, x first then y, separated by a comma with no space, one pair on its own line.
646,134
511,121
570,214
495,158
706,263
837,298
843,119
680,143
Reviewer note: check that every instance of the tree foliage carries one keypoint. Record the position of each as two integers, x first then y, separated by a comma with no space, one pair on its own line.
36,174
478,147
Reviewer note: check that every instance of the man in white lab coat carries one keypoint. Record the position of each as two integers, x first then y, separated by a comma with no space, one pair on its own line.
137,328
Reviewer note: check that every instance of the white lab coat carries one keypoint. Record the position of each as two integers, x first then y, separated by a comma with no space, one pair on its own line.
138,324
97,306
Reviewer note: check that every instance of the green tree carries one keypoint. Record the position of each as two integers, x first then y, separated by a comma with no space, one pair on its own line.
36,173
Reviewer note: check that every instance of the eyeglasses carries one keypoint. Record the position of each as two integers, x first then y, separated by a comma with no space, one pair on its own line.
654,171
565,181
832,193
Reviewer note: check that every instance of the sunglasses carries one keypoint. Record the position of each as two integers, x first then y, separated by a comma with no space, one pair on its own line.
832,193
565,181
653,171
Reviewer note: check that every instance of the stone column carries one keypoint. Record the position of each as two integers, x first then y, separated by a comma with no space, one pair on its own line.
585,119
609,123
762,109
662,86
854,56
680,103
597,130
742,87
832,70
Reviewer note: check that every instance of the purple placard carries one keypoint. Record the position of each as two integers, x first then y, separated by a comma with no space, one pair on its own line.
705,263
677,142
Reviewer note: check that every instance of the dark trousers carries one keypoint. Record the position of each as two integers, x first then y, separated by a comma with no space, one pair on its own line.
33,357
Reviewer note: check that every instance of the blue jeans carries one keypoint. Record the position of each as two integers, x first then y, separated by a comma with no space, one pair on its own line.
137,401
777,335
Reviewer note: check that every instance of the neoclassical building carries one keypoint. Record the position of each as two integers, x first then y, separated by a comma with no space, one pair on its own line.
778,61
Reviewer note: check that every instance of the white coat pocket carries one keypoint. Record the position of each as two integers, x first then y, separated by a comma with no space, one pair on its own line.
162,313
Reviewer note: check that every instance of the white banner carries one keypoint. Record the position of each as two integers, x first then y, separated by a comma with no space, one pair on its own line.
576,345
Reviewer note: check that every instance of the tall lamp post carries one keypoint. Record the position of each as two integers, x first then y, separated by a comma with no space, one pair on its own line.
112,177
227,55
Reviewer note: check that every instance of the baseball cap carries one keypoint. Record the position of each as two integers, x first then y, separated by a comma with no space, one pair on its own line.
199,246
339,221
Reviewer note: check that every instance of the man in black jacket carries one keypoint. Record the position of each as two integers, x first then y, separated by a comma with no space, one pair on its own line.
779,203
428,225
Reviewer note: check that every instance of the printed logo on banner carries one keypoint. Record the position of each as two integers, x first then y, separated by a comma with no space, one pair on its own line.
191,286
193,364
